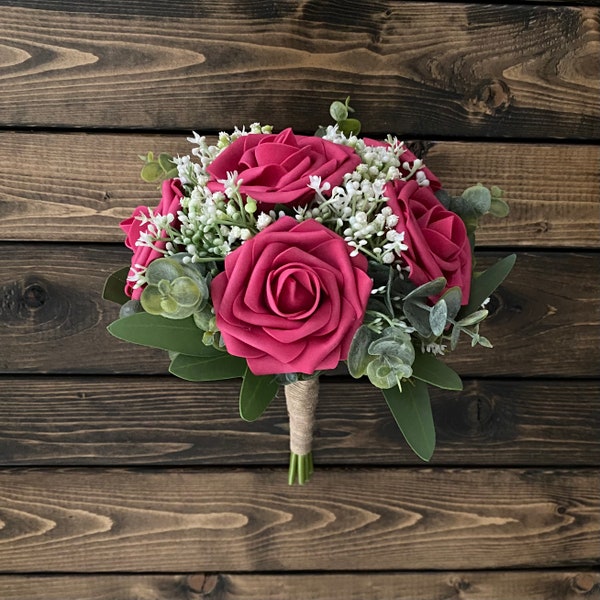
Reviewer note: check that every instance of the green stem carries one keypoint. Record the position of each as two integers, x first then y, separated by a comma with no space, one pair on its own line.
293,468
301,468
302,477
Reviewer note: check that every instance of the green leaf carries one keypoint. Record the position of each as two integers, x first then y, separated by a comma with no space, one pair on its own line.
453,298
178,335
418,318
381,374
499,208
431,288
131,307
454,337
256,394
214,368
477,198
430,369
473,318
483,341
165,161
444,197
349,127
484,284
358,356
114,287
163,268
151,172
338,111
411,408
437,318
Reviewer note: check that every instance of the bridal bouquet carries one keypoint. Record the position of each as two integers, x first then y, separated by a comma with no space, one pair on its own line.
275,257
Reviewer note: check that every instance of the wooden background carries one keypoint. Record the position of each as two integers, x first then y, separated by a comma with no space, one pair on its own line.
118,482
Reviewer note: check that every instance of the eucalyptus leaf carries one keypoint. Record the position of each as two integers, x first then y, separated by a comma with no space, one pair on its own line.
430,369
383,346
478,199
438,317
444,197
213,368
163,268
151,172
256,394
431,288
453,299
454,337
473,318
411,409
358,356
381,375
499,208
483,341
393,347
418,317
349,127
131,307
287,378
114,287
165,161
338,111
178,335
483,285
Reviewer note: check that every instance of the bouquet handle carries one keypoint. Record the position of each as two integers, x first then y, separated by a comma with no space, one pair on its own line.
301,399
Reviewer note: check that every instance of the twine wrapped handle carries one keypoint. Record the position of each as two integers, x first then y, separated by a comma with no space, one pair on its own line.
301,399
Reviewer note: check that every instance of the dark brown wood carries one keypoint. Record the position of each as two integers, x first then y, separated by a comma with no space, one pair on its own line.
425,69
167,421
119,482
544,320
479,585
89,182
178,520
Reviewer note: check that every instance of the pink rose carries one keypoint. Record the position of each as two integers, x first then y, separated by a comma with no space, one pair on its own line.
275,169
291,298
437,240
143,255
409,157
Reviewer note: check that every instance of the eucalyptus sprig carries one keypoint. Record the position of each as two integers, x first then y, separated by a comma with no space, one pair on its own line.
158,169
475,202
340,113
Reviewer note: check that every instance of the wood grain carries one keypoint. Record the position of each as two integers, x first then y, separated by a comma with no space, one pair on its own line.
90,182
183,520
169,422
427,69
54,319
478,585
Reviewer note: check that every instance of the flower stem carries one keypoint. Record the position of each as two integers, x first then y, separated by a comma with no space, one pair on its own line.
301,399
301,468
293,468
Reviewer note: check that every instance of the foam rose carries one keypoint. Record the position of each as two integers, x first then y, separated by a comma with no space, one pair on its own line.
170,203
275,168
437,240
291,298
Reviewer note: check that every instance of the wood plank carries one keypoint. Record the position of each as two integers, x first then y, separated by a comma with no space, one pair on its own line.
54,319
427,69
197,520
159,421
91,182
474,585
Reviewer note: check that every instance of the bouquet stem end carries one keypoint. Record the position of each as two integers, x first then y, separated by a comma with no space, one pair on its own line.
301,468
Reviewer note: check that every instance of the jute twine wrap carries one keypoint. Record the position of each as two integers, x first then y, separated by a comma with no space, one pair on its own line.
301,399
